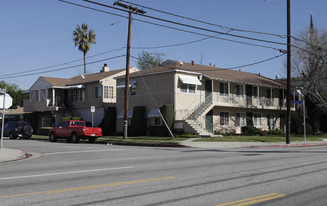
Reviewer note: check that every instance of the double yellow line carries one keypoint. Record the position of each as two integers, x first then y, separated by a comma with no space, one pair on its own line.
254,200
90,187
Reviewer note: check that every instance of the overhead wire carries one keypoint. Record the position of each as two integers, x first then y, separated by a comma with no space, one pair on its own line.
230,68
189,26
192,32
64,68
65,63
204,22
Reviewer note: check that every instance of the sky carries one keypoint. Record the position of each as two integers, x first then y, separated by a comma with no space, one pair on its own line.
36,36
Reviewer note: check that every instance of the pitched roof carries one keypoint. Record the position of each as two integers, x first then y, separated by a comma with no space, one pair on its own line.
212,72
57,82
92,77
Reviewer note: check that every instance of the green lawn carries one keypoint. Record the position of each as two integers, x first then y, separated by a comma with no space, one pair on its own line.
139,140
179,138
262,138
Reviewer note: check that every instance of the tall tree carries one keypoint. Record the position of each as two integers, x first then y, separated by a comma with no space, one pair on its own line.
83,38
15,92
309,63
147,60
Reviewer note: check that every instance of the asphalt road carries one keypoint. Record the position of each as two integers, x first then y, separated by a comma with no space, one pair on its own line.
94,174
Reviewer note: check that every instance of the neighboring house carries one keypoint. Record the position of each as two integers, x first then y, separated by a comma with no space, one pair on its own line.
54,98
17,114
205,98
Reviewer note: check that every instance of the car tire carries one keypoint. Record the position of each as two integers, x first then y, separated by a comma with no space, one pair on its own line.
11,136
52,137
75,138
91,139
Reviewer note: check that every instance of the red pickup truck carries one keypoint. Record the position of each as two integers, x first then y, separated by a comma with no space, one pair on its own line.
73,131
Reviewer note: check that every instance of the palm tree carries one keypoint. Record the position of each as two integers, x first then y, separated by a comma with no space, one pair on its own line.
83,38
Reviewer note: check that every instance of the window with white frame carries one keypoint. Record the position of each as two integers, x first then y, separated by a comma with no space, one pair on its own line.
240,119
257,120
132,90
37,95
98,92
239,90
188,88
224,118
108,92
224,90
271,121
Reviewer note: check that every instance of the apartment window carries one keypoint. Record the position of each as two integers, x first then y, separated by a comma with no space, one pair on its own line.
37,95
240,120
98,92
188,88
257,120
157,121
271,121
255,92
80,95
223,88
133,90
108,92
239,90
224,118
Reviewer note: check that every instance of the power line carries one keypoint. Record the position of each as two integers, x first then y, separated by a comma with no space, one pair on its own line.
230,40
230,68
64,68
191,26
56,65
204,22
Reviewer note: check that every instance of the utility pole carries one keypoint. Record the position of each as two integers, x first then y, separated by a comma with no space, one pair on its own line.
288,113
131,10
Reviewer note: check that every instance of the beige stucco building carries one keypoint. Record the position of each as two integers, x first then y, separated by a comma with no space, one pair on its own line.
205,98
54,98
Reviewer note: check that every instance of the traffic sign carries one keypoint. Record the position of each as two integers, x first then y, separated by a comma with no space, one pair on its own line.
92,109
8,101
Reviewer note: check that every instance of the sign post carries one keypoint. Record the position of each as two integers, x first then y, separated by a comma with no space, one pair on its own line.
92,111
5,103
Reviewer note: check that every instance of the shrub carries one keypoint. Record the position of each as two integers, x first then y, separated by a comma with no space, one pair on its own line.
44,130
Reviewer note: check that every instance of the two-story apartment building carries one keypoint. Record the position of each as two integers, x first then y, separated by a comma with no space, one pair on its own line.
205,98
53,98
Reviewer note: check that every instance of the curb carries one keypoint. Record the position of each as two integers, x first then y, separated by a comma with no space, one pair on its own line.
289,145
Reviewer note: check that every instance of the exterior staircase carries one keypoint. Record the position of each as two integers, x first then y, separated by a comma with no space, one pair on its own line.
195,120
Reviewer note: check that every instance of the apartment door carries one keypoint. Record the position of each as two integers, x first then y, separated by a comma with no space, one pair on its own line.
209,121
248,90
208,87
282,122
249,119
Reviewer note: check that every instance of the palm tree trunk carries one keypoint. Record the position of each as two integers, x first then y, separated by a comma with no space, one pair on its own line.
84,63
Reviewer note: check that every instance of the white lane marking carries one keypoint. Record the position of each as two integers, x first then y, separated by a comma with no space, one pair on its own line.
62,173
83,151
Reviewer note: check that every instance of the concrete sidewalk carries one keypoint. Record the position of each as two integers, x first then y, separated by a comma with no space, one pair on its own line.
7,154
231,145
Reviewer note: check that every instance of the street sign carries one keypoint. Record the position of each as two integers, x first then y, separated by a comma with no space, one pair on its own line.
297,102
8,101
92,109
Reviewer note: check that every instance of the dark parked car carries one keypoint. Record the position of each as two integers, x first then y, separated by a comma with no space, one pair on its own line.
16,129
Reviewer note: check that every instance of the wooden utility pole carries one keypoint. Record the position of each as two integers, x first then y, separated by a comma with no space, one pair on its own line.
131,10
288,114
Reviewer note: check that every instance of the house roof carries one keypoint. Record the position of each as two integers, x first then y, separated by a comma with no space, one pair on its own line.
211,73
92,77
63,82
56,82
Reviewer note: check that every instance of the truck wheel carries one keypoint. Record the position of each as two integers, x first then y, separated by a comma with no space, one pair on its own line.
75,139
52,137
91,139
